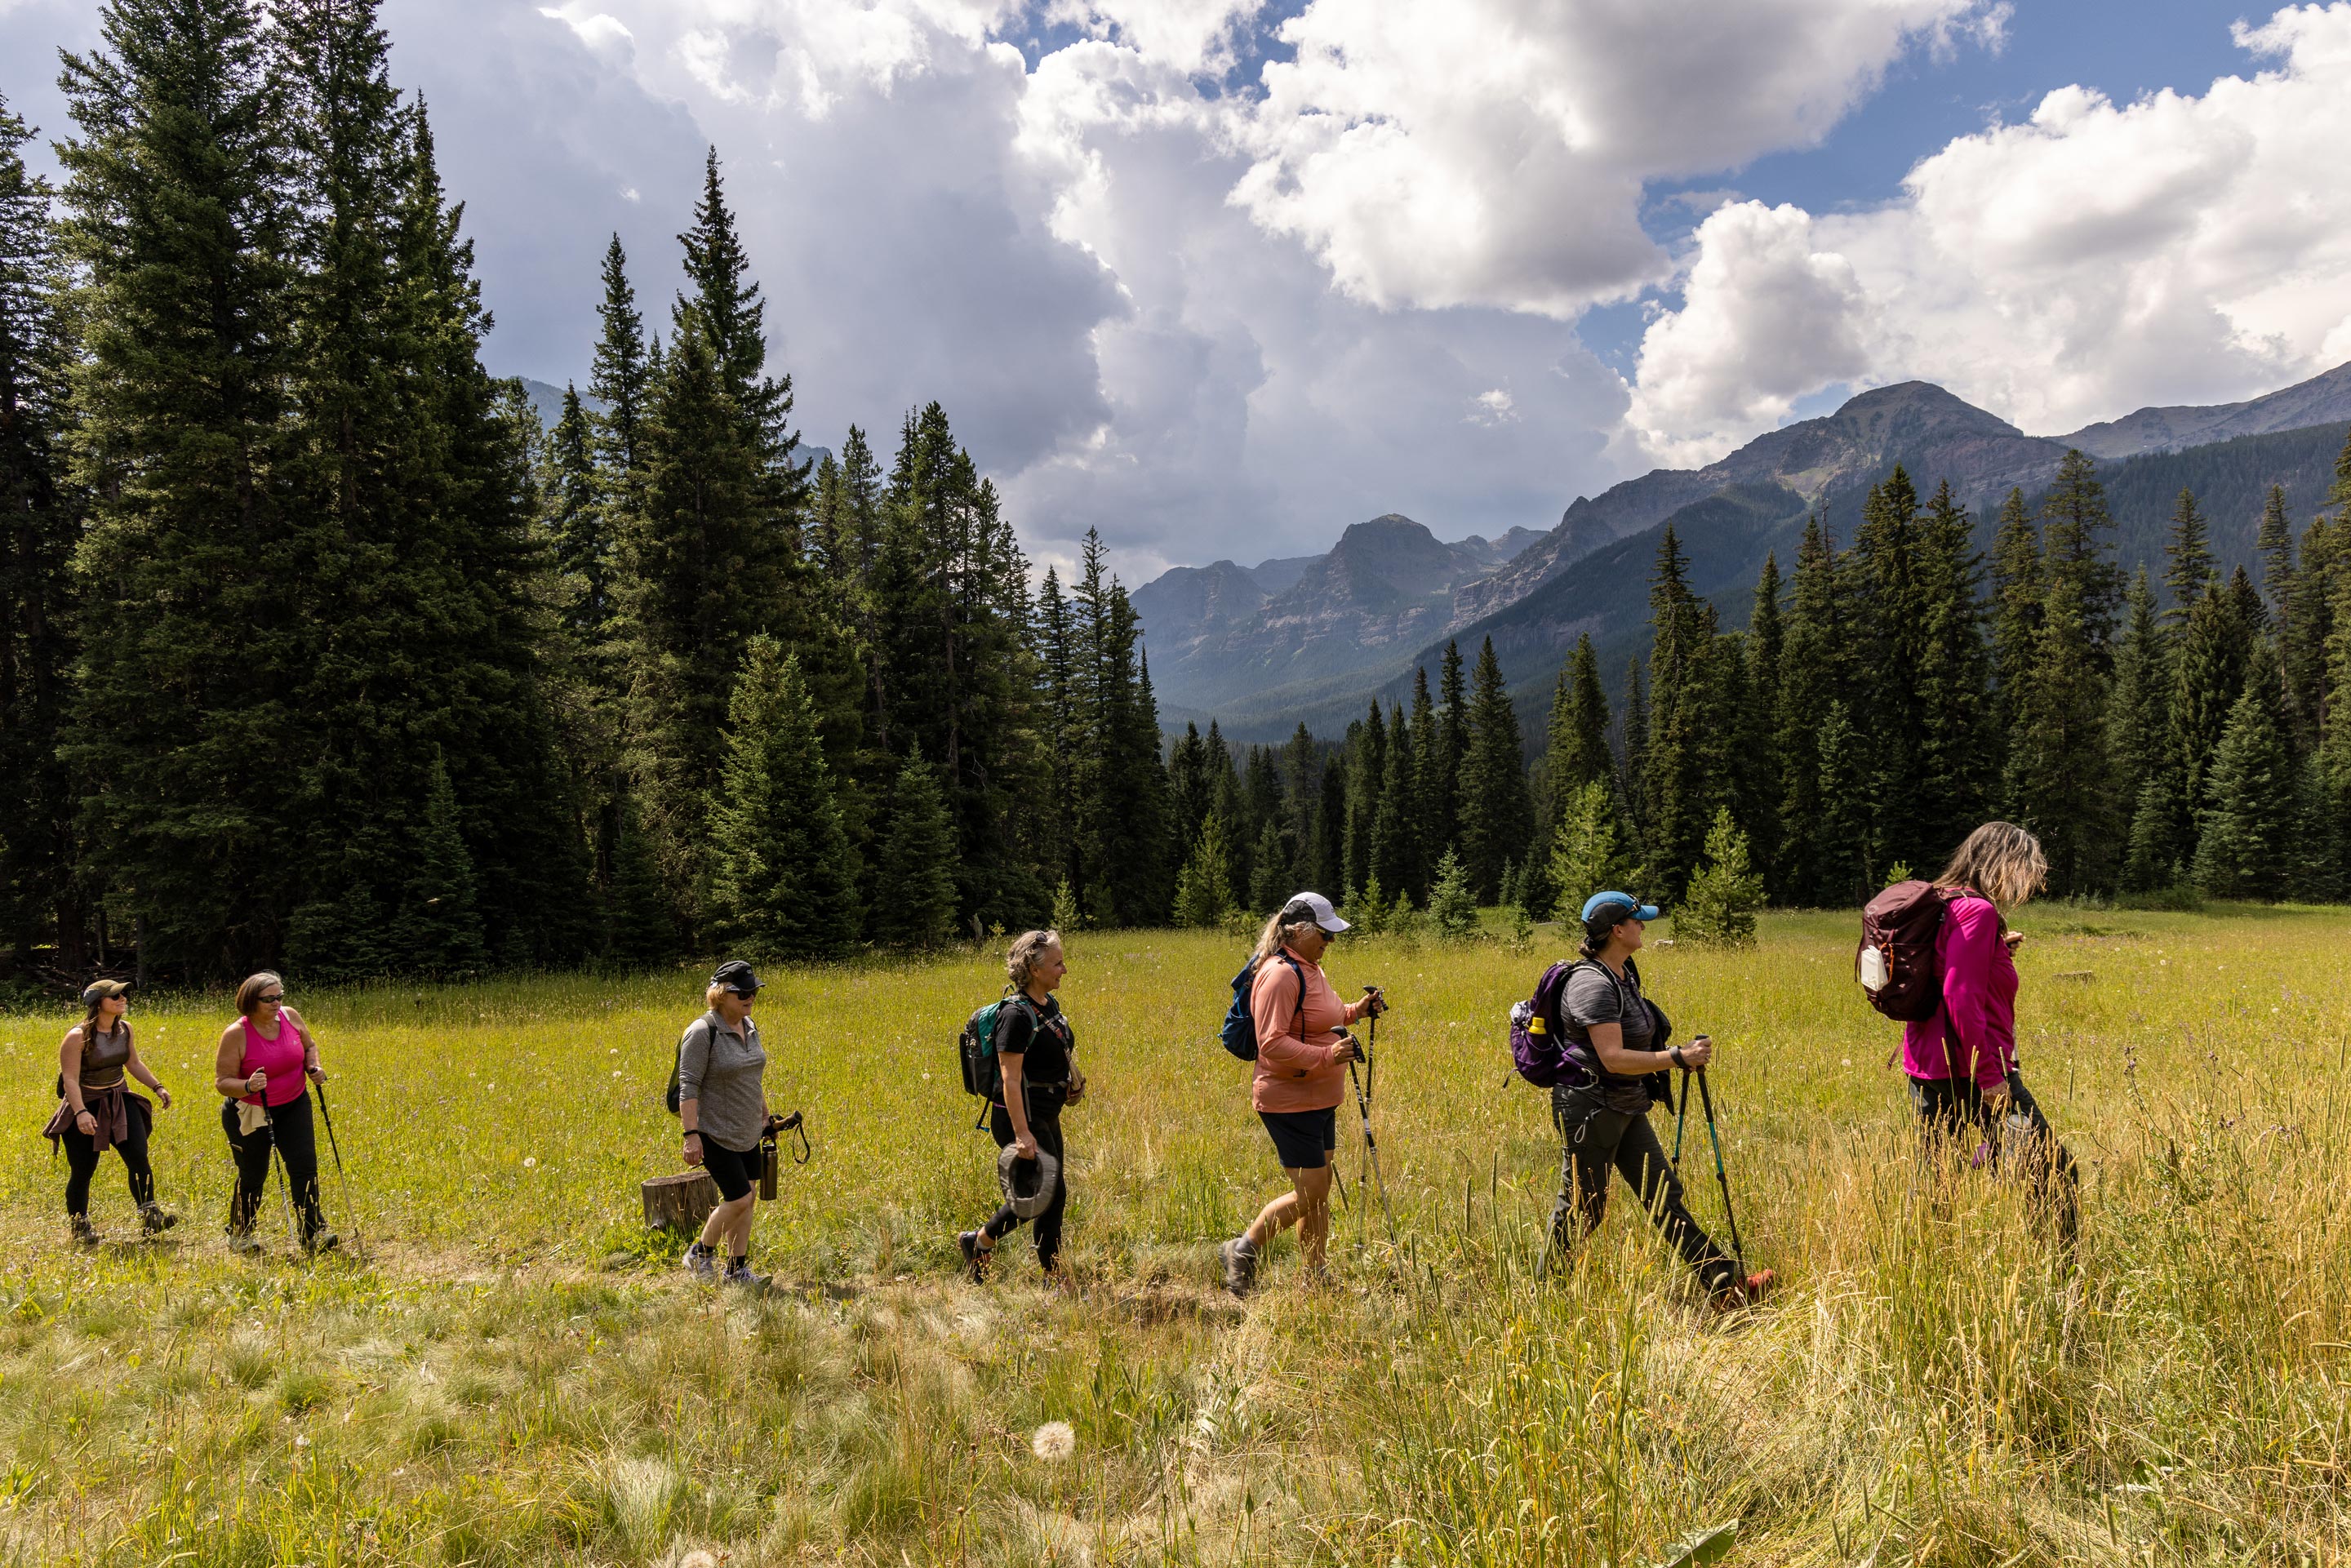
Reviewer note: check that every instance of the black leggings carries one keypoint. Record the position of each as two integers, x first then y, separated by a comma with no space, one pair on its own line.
1045,1126
81,1163
1951,1110
1594,1141
297,1145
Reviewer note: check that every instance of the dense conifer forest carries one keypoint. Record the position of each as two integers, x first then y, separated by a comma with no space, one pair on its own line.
320,650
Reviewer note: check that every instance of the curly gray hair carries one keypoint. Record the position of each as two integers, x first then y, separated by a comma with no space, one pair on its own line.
1026,948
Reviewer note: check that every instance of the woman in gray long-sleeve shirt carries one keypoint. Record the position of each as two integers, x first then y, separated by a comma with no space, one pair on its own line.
724,1105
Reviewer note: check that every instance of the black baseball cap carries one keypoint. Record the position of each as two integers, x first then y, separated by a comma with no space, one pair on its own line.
737,976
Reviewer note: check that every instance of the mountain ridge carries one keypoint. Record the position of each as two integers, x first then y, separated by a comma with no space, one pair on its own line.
1770,484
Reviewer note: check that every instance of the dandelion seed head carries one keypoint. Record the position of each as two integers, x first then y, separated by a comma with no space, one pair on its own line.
1054,1442
697,1558
528,1161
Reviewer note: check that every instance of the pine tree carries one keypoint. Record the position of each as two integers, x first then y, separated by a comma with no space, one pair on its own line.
952,624
2274,540
1718,910
1452,905
2138,736
1673,772
1588,848
2319,847
2252,803
1843,854
1367,761
1891,628
2019,591
2208,674
2057,768
1433,785
1764,783
640,927
39,520
621,377
782,878
1189,786
1328,872
2304,625
1395,821
1954,676
1497,809
1633,756
2190,551
916,904
1812,670
1576,750
1270,883
1452,744
1204,888
180,223
724,308
2074,522
576,519
438,930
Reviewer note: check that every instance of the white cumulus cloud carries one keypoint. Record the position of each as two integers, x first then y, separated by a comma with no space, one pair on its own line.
2089,259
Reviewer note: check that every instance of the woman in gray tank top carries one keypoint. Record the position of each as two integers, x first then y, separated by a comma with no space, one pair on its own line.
95,1110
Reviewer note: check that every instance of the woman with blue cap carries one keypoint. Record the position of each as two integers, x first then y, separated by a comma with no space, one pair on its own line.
1616,1049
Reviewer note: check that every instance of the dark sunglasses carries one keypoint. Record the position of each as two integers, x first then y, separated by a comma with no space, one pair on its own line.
272,997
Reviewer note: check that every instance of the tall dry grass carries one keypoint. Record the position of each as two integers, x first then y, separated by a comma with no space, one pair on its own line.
517,1374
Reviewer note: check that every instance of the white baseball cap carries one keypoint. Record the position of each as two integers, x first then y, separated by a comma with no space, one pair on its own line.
1312,906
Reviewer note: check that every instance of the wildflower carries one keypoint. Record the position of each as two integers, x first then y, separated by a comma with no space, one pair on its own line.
697,1558
528,1161
1054,1442
300,1440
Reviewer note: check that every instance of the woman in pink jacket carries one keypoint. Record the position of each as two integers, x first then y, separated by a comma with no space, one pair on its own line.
1301,1076
1964,1078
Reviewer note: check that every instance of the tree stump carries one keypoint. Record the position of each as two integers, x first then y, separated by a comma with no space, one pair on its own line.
680,1202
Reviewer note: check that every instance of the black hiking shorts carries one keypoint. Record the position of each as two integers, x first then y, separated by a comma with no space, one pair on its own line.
1303,1139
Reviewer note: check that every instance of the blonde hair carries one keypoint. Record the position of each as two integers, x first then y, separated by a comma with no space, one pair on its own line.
710,997
248,995
1026,948
1278,932
2000,860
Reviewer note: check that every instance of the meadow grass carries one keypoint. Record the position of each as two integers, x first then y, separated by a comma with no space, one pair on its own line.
517,1372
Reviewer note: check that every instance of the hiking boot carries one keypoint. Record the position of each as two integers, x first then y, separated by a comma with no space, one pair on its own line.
84,1233
702,1263
244,1242
738,1273
975,1256
1241,1265
1757,1286
321,1242
154,1218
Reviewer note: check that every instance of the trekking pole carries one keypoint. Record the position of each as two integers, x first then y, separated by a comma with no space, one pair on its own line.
1364,1110
1681,1115
1738,1250
358,1243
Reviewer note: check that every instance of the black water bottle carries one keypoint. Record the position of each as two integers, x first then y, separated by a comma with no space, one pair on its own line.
767,1168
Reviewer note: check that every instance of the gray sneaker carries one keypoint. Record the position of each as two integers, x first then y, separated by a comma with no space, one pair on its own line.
1241,1265
702,1263
738,1273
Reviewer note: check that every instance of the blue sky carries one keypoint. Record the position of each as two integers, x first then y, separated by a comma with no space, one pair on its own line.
1220,278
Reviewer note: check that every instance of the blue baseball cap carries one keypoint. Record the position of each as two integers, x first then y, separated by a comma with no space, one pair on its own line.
1633,908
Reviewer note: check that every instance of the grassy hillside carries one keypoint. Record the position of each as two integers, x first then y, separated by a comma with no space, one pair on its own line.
518,1373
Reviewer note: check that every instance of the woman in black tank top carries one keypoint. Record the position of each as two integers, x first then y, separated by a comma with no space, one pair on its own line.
95,1110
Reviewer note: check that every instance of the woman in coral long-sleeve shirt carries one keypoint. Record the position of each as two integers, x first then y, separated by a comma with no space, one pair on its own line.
1301,1076
1962,1061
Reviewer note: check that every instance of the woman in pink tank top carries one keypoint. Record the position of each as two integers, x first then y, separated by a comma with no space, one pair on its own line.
264,1069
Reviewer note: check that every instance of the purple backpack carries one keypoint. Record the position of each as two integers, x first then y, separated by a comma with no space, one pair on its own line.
1538,1052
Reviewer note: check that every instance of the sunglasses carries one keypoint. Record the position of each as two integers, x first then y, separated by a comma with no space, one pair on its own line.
274,996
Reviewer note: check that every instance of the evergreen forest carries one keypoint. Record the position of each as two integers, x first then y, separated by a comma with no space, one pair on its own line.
318,649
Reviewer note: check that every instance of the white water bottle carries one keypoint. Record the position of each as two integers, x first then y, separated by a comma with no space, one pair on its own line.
1874,973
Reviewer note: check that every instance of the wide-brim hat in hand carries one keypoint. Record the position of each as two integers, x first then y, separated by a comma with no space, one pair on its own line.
1028,1184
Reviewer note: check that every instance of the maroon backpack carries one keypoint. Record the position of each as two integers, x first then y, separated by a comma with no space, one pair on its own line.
1900,926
